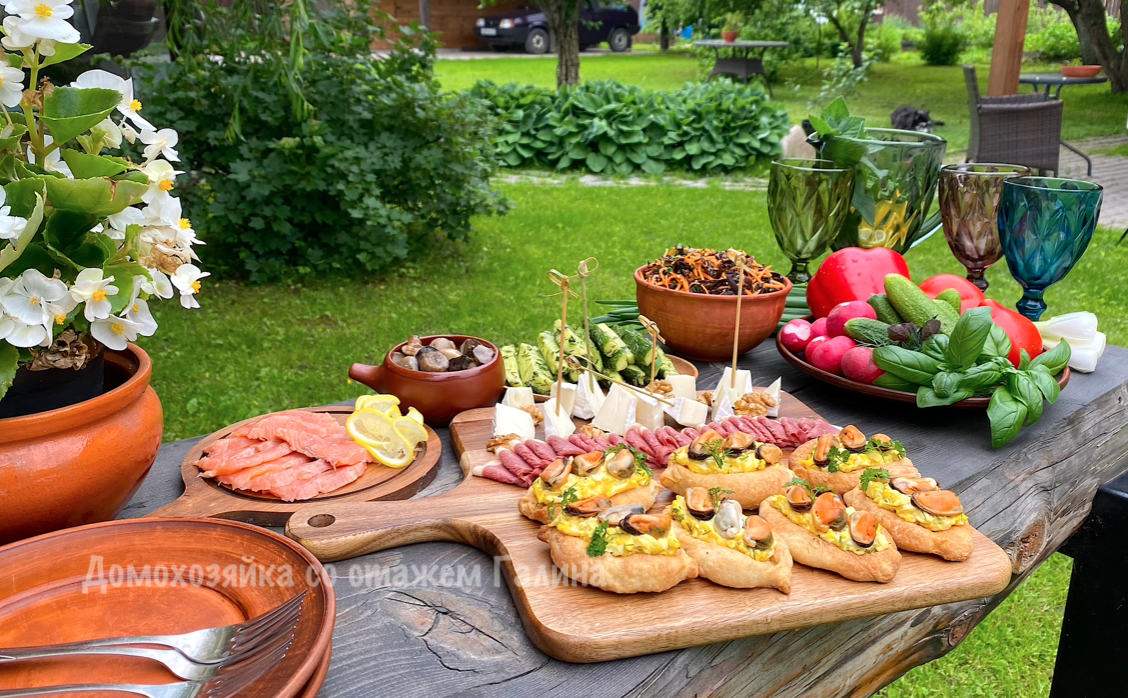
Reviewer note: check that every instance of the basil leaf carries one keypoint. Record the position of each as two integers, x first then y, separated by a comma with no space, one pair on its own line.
1055,359
902,332
946,382
997,344
966,341
1045,382
931,328
935,346
1022,387
894,382
910,365
980,377
1007,416
1023,360
927,397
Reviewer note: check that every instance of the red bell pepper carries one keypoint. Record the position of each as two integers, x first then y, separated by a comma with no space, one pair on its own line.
852,274
1022,332
970,294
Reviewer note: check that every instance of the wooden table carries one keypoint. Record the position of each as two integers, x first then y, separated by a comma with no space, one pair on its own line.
1057,81
742,67
434,619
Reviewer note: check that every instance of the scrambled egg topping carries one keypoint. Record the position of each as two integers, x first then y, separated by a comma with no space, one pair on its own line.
902,505
840,538
703,530
870,458
598,483
746,462
619,543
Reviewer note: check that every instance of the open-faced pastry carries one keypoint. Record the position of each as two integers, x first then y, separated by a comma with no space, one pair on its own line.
837,460
619,474
620,549
748,469
919,515
821,531
729,548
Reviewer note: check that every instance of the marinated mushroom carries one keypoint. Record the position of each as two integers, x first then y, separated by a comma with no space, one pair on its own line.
432,360
483,354
413,346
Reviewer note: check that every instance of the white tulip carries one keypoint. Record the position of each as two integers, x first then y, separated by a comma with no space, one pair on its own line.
44,19
92,289
129,106
161,142
114,331
187,281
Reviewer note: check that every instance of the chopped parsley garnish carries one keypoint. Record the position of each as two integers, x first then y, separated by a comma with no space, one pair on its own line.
836,458
715,496
872,474
813,491
899,448
875,445
567,498
639,456
717,452
598,544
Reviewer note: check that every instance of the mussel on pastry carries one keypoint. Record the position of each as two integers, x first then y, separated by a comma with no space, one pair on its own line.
757,533
588,507
882,440
729,519
769,453
798,498
699,449
738,442
699,503
642,524
586,463
821,456
615,515
938,503
912,485
622,465
556,473
852,439
830,512
863,528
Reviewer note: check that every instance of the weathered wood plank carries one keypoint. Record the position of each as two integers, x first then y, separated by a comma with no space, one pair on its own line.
414,634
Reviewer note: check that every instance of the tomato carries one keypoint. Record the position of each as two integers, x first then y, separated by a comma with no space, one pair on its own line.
970,295
1022,332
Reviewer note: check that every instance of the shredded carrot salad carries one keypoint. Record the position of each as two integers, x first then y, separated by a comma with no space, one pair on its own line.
711,272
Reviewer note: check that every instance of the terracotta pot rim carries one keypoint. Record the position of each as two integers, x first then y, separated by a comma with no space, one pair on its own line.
761,298
70,417
395,368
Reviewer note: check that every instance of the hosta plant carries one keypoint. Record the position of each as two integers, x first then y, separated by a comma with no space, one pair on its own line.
87,237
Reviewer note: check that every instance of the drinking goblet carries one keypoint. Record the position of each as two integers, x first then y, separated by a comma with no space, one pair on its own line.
808,201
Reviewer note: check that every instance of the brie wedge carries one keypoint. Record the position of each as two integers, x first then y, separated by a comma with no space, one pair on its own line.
689,413
559,424
723,410
684,386
649,412
773,390
589,397
568,400
618,411
510,420
518,397
724,389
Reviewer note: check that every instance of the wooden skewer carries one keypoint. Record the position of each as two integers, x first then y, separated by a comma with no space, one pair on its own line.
655,337
573,362
563,281
736,335
583,271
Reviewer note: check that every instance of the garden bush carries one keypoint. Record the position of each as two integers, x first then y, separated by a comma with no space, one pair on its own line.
883,42
942,44
381,164
607,127
1057,42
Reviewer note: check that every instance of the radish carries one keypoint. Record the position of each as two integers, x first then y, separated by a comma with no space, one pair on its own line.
815,341
795,335
828,354
858,365
841,313
818,328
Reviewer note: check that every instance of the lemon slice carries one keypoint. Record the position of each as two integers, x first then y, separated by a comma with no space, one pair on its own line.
378,434
413,413
378,402
411,430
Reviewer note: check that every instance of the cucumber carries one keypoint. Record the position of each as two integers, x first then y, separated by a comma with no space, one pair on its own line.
952,297
874,333
888,380
534,370
549,349
915,306
665,366
884,309
512,373
635,376
640,345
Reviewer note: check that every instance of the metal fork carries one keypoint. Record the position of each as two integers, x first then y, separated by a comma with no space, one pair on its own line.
224,686
215,646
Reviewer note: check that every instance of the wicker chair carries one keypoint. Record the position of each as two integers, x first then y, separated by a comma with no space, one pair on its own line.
1016,129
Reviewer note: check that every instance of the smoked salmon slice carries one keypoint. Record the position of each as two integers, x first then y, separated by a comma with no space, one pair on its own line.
317,435
270,482
229,461
326,481
241,479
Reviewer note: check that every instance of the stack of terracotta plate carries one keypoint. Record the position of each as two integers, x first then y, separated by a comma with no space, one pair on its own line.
158,577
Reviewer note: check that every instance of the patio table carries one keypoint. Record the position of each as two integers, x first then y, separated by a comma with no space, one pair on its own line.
1058,81
405,627
742,67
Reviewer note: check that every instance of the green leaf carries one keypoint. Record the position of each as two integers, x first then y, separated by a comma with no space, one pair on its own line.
9,363
946,382
1023,388
872,474
596,162
70,111
1046,383
65,52
99,197
998,343
134,176
653,166
12,141
1055,359
34,256
17,193
67,229
1023,359
894,382
927,397
935,346
24,196
968,337
1007,416
123,280
85,166
911,365
980,377
608,148
821,127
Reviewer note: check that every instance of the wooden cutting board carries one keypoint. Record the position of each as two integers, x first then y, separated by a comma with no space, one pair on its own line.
580,624
206,497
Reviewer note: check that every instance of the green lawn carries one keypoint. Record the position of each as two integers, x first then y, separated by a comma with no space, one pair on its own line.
251,350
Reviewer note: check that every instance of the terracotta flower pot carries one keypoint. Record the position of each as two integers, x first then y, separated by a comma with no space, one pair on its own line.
699,326
1080,71
437,396
729,37
80,464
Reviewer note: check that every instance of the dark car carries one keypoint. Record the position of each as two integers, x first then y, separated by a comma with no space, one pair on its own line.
528,27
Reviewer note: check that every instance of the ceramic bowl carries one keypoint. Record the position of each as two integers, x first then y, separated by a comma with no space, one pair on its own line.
699,326
437,396
1080,71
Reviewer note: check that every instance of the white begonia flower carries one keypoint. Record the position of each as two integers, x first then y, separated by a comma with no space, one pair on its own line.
53,162
187,281
161,142
138,313
16,40
160,286
166,212
11,227
162,178
11,85
44,19
94,290
128,132
129,106
114,331
109,132
117,224
30,298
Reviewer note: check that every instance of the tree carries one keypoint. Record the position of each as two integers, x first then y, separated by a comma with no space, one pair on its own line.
1089,18
563,24
850,19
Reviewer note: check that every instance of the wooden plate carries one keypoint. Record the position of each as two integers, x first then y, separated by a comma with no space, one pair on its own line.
583,624
684,367
163,576
206,497
972,403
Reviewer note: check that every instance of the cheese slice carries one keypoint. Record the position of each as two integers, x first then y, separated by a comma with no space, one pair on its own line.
649,413
689,413
684,386
589,397
618,411
723,410
724,387
510,420
774,390
568,400
557,424
518,397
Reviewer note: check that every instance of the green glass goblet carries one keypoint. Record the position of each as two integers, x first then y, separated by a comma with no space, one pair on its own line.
808,201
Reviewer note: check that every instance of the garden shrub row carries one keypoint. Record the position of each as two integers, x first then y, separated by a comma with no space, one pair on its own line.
606,127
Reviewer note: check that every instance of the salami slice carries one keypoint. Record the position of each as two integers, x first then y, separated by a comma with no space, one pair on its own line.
583,442
614,439
600,443
633,438
651,440
691,433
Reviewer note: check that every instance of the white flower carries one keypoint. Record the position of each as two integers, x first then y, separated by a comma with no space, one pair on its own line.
117,224
161,179
16,40
92,289
11,227
160,286
186,280
114,331
128,132
108,81
53,162
109,132
37,303
138,313
44,19
165,213
161,142
11,85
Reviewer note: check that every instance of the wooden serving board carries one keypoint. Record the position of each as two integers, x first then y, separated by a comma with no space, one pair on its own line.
581,624
206,497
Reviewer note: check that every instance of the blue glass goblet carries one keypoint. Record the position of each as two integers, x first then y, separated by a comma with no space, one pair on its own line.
1045,225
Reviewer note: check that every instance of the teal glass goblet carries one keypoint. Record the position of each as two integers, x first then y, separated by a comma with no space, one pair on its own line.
1045,225
808,201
